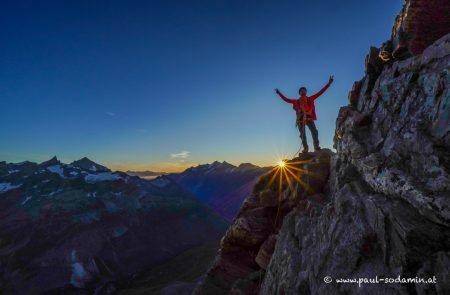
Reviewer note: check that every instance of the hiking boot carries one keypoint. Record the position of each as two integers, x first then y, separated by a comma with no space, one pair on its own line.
305,151
317,149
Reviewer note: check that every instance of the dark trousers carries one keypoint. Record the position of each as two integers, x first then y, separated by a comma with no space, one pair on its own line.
314,133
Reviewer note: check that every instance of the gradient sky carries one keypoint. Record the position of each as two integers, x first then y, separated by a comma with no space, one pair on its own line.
163,85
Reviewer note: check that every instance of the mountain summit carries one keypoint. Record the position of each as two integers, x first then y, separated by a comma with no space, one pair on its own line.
220,185
53,161
379,206
87,164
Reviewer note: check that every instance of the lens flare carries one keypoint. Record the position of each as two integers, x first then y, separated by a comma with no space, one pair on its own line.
281,163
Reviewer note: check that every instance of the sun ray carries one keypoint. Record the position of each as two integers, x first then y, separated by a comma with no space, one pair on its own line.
306,186
280,188
296,168
312,174
300,162
273,177
288,179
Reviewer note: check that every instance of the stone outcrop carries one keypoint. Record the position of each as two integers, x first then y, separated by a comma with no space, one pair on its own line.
247,246
380,206
389,190
419,24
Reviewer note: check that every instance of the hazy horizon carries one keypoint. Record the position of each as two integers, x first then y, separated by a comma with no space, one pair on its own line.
122,169
166,85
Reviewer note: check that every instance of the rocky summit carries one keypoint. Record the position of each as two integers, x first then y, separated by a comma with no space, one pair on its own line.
248,244
377,208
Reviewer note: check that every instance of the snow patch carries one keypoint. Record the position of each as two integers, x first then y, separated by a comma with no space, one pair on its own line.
92,195
73,173
13,171
6,186
56,169
54,193
26,200
79,274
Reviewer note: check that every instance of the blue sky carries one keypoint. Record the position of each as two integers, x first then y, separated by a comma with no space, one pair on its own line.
164,85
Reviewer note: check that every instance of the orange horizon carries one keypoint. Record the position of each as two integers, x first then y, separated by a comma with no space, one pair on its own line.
166,167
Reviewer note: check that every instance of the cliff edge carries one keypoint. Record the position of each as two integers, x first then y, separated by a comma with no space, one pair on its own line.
377,208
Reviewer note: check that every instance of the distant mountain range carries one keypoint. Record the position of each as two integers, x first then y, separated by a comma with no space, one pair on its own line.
220,185
80,225
145,173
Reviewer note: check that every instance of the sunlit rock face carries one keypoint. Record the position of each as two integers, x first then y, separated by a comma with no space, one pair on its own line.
378,207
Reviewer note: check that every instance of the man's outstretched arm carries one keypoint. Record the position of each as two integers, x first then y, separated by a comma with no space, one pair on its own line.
321,91
288,100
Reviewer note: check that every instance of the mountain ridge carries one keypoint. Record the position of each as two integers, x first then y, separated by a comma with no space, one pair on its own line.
220,185
95,227
377,208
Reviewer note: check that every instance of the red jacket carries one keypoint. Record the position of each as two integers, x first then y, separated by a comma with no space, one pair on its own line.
309,99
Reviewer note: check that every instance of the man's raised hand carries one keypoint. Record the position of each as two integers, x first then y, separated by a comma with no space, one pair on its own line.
277,91
331,79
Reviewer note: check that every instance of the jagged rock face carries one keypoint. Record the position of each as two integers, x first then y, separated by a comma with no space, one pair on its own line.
388,213
420,23
385,211
247,246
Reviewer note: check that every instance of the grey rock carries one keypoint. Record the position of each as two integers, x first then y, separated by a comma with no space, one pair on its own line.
389,192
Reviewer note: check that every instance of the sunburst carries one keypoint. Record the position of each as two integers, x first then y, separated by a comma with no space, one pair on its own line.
289,172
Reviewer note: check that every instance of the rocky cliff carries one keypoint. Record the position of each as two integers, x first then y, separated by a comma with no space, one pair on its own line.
378,207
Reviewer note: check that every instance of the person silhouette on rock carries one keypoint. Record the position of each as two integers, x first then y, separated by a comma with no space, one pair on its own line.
306,113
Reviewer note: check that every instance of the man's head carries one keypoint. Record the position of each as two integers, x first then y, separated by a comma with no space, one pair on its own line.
302,91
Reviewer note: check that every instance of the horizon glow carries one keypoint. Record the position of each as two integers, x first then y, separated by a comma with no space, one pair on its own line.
166,85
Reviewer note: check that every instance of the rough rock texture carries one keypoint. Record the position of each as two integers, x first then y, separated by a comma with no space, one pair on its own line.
388,213
247,246
383,211
419,24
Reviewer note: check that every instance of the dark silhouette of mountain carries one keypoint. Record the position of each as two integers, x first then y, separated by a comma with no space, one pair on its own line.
85,163
145,173
53,161
378,209
221,186
82,227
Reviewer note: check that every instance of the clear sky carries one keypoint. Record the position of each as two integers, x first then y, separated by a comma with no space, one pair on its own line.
163,85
